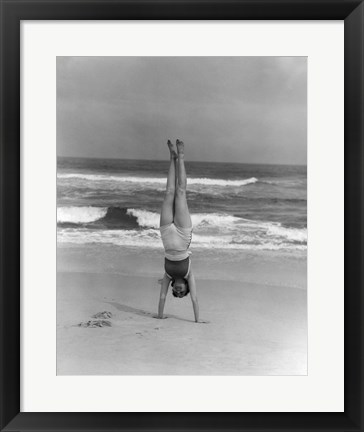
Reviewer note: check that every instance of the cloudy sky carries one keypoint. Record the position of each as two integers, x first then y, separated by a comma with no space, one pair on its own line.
228,109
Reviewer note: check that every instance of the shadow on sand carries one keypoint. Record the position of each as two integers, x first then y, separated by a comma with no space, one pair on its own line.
141,312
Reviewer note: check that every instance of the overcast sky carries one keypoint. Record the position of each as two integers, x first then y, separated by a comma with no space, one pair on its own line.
228,109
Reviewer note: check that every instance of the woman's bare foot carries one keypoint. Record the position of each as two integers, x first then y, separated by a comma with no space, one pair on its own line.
171,150
180,148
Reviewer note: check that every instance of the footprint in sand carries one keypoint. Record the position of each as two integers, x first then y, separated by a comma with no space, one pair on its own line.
144,333
101,320
95,323
104,315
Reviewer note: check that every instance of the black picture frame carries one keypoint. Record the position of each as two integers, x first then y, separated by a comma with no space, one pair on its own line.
12,12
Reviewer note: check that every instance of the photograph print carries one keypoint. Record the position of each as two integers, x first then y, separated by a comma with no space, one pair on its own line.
182,216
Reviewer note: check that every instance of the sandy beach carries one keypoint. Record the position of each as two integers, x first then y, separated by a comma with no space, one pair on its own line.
255,302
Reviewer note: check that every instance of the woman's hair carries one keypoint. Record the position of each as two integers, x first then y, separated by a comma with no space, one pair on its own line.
187,289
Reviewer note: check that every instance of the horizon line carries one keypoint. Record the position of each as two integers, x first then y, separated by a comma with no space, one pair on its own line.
166,160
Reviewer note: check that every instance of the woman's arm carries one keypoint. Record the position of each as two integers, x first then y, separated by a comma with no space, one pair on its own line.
193,293
163,294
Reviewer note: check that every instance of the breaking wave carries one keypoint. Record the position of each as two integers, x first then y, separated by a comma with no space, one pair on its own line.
152,181
140,228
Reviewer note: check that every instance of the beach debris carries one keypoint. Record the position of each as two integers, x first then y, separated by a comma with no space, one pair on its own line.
104,315
95,323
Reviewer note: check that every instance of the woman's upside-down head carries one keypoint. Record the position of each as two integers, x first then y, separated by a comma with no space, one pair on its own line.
180,287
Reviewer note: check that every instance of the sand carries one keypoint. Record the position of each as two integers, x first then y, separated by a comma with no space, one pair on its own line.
255,302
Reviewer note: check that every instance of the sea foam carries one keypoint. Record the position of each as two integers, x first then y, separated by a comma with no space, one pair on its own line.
150,238
80,214
156,180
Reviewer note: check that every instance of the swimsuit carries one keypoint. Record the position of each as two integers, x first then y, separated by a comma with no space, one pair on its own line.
177,269
176,241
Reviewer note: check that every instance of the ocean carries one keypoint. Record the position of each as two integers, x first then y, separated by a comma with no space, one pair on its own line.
232,205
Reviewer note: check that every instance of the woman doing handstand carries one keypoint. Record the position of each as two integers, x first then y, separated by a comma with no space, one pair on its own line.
176,233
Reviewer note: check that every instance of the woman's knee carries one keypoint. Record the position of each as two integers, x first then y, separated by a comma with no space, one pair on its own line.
181,191
170,192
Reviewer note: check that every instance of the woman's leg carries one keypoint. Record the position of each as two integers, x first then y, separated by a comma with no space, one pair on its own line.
167,211
182,216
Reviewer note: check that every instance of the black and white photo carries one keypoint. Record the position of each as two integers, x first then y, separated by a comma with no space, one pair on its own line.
182,216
